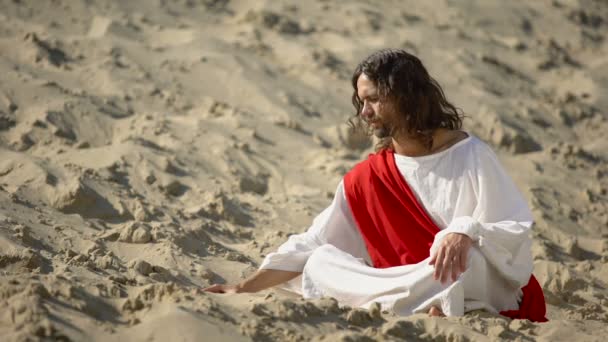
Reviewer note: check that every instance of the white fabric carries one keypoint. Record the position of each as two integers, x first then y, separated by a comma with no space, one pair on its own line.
465,190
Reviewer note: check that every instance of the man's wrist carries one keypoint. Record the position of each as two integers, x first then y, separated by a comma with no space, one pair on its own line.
465,225
463,235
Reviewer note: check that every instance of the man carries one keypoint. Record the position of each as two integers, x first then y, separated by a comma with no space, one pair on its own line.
430,223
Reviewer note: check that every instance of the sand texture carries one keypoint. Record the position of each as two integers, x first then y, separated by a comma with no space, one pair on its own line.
149,148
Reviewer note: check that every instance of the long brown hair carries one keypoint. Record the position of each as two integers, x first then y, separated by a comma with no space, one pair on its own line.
417,97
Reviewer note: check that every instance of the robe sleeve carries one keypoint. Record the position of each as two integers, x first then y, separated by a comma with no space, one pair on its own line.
501,221
334,225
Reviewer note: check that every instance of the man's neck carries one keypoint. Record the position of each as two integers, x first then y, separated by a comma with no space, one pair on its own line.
442,139
409,146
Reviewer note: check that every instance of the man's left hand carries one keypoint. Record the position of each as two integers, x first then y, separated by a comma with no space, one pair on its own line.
450,259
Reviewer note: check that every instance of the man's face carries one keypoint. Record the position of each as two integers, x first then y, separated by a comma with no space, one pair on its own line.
377,113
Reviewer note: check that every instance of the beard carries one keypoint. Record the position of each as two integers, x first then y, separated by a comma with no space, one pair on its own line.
382,132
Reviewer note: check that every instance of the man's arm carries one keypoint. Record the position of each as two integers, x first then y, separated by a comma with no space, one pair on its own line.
501,217
259,281
334,226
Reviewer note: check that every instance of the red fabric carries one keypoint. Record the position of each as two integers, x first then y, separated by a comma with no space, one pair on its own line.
382,203
532,304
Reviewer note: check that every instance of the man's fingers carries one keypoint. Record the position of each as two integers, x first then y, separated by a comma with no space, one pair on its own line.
450,269
445,266
210,288
463,259
433,259
438,264
447,269
215,288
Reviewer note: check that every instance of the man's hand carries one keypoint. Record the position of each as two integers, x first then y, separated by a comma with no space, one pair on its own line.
450,259
228,289
259,281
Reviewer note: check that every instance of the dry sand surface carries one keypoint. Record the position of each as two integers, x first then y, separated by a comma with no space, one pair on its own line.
148,148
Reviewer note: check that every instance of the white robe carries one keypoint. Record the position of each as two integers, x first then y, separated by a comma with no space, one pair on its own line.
465,190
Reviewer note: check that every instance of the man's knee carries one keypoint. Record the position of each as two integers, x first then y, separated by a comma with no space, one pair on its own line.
323,256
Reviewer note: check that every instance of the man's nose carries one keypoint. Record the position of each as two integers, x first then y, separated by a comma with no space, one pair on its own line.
366,111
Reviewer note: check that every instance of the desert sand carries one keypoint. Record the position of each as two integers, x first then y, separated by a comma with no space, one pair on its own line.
150,148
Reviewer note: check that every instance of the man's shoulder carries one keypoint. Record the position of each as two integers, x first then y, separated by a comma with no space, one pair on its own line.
472,149
365,168
359,168
372,158
481,149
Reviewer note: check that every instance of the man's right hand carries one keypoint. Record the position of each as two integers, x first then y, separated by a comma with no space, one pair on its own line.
223,288
259,281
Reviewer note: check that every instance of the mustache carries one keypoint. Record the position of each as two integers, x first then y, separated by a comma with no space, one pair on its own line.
372,120
382,129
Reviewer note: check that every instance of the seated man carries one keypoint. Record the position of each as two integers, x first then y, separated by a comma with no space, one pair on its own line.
429,223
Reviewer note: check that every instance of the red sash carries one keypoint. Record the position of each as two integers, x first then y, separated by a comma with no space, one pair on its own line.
382,203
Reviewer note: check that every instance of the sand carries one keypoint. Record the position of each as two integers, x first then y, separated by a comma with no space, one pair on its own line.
150,148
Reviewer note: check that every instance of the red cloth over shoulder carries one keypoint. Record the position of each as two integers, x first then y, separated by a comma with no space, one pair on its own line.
396,228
